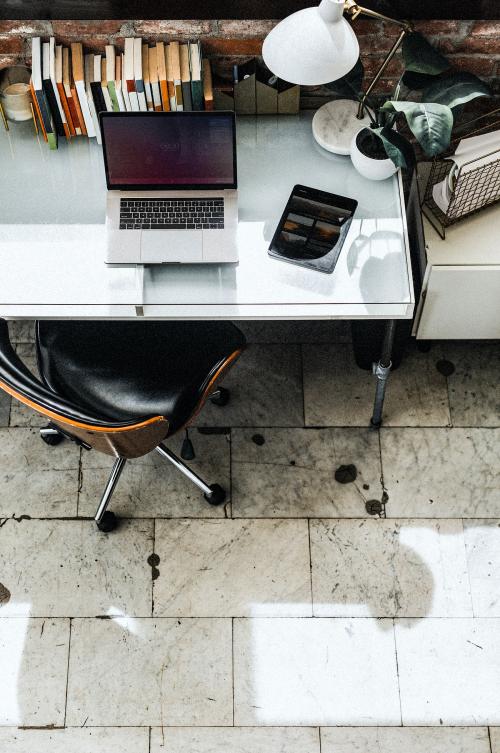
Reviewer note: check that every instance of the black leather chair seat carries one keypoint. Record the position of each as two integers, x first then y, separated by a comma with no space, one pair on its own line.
126,371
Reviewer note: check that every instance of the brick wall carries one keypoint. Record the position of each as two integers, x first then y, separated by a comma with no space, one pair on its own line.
470,45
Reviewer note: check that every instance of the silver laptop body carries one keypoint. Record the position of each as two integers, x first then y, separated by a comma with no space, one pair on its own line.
171,181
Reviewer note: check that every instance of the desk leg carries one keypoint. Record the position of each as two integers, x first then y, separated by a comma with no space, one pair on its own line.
381,370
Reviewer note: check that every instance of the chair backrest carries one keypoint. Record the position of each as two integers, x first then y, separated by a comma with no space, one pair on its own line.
125,439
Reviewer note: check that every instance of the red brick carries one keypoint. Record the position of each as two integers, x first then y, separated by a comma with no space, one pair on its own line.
218,46
481,45
7,60
372,65
481,66
245,29
76,30
175,29
428,28
91,43
11,45
486,28
26,28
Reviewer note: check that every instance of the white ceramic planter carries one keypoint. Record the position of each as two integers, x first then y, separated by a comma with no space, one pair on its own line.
373,169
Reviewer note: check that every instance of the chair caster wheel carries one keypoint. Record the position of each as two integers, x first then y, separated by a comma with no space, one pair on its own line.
52,438
222,398
108,522
218,495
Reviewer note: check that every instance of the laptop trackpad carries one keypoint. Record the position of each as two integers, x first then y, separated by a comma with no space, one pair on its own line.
159,246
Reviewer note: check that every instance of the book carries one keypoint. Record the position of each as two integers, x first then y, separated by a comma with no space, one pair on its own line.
175,65
129,71
68,92
118,84
170,78
94,113
161,61
138,75
153,79
185,77
196,79
126,98
96,86
79,79
52,74
208,90
36,87
110,76
49,90
104,86
146,77
61,90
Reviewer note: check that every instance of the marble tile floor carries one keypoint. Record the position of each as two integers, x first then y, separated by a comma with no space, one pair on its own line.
290,620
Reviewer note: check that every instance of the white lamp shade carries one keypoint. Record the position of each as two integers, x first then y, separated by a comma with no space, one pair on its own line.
312,46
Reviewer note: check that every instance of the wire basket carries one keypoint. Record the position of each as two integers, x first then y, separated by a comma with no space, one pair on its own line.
474,187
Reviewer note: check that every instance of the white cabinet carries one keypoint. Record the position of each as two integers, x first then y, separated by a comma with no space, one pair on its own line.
460,298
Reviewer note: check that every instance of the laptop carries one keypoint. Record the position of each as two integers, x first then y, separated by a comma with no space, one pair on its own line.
171,179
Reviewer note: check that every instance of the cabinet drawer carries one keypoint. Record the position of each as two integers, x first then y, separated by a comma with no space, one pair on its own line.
461,303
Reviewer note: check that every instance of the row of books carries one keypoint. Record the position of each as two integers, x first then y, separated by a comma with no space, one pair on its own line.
70,89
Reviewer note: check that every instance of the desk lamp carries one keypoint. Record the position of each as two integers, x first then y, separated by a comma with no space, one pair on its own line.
316,46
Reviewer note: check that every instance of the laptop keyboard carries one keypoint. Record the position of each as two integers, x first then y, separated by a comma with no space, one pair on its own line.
171,214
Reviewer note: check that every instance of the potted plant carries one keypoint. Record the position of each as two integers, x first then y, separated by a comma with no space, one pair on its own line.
379,150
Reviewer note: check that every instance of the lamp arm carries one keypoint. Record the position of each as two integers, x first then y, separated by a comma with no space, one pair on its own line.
355,10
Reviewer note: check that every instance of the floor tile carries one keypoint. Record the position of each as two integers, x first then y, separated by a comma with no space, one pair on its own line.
151,487
75,740
449,671
315,671
291,472
4,408
36,479
20,414
236,740
407,739
337,393
482,540
313,331
71,569
232,568
150,672
266,390
474,386
33,668
389,568
495,739
22,331
441,473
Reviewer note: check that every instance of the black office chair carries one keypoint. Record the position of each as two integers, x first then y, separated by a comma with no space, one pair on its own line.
123,387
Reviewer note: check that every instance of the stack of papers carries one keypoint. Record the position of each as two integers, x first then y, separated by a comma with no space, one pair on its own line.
471,153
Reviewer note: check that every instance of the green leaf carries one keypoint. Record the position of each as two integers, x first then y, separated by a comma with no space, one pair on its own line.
455,90
430,123
350,85
420,56
397,148
417,81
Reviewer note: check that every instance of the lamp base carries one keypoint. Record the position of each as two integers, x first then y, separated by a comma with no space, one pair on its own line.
335,124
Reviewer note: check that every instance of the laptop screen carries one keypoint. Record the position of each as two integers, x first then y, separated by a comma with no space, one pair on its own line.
164,150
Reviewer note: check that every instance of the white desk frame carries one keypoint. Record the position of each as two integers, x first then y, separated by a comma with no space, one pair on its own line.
52,238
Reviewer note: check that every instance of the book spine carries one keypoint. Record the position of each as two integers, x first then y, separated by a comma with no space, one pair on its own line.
141,95
186,96
113,96
84,107
99,103
37,110
54,109
155,90
81,119
74,112
65,106
197,95
47,118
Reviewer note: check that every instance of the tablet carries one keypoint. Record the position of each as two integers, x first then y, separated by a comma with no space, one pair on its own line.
313,228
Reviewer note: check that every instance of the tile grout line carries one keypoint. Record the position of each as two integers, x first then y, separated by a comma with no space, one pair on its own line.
232,659
310,565
319,738
397,669
489,738
67,673
152,571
